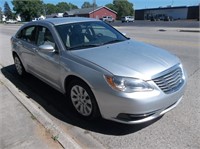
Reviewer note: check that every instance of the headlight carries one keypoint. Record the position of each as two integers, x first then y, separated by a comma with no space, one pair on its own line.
127,84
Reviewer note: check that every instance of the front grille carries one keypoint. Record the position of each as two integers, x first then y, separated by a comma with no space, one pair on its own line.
171,81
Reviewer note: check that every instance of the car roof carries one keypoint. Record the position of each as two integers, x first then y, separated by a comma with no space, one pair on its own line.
65,20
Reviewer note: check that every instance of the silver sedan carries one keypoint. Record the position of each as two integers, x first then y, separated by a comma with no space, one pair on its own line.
102,72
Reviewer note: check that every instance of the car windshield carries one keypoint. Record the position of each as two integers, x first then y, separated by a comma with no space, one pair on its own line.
82,35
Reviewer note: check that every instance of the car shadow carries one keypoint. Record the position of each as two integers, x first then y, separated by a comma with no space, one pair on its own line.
56,104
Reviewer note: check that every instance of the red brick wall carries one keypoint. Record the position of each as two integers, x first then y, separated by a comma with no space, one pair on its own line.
102,12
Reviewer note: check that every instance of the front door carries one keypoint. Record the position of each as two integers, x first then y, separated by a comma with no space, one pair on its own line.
46,63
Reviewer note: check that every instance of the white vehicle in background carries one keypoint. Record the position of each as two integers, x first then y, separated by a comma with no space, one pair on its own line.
40,18
127,19
108,19
11,21
37,19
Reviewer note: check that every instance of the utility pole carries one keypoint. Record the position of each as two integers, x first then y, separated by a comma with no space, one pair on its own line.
146,5
172,3
94,4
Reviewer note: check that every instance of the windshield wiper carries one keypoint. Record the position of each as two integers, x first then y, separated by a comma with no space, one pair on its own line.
112,41
83,46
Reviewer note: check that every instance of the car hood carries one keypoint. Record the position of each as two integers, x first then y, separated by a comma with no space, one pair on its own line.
130,59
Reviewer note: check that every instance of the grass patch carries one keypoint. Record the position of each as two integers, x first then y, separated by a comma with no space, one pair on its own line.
55,138
33,117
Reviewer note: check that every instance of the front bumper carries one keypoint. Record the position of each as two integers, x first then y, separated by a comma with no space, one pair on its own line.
138,107
142,118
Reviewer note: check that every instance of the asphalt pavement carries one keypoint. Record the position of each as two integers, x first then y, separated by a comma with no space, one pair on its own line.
170,24
28,124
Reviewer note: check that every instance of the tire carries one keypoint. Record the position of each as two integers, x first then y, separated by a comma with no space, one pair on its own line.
19,66
83,100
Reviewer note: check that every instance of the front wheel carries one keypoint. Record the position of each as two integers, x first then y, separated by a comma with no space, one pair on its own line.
83,100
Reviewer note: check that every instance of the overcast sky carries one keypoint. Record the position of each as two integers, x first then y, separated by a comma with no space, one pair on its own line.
138,4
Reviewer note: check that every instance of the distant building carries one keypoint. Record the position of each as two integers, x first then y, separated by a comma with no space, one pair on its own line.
55,15
97,12
182,12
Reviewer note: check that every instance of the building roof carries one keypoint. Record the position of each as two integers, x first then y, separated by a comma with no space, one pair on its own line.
87,10
161,8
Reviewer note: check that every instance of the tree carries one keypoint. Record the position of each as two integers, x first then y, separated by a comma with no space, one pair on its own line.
1,14
111,6
122,7
50,9
72,6
7,11
28,9
88,5
62,7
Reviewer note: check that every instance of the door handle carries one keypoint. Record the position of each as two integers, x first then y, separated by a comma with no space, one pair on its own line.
35,49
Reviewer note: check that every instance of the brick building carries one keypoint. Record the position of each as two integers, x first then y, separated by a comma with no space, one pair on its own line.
97,12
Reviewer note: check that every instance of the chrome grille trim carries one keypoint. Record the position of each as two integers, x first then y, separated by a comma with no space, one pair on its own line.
170,81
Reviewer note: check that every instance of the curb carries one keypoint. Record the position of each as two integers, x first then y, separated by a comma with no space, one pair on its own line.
194,31
64,139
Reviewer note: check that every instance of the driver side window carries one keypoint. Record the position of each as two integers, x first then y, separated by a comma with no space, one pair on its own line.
45,37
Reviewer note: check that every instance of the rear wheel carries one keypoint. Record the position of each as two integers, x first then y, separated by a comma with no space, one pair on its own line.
19,66
83,100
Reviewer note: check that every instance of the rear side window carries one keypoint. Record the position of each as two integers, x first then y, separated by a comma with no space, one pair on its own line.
28,34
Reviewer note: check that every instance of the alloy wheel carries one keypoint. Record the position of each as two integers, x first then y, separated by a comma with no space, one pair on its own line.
18,66
81,100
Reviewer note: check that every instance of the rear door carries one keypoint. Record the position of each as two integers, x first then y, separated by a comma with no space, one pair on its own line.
26,44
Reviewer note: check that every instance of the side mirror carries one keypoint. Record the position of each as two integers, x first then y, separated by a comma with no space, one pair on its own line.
124,34
47,48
